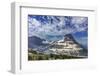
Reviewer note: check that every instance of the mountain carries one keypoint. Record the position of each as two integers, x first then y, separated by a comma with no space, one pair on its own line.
34,42
69,37
68,44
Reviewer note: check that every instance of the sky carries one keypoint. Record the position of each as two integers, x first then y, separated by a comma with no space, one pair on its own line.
55,27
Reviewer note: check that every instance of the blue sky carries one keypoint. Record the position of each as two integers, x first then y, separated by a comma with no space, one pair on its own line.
55,27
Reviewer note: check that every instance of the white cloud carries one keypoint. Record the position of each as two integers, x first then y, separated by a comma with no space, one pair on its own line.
36,28
79,22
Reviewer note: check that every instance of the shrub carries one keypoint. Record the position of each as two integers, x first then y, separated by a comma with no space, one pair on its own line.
30,57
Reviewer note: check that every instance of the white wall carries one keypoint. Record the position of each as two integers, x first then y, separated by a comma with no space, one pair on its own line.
5,33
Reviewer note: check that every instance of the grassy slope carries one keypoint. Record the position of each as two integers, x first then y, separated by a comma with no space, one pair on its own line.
40,56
